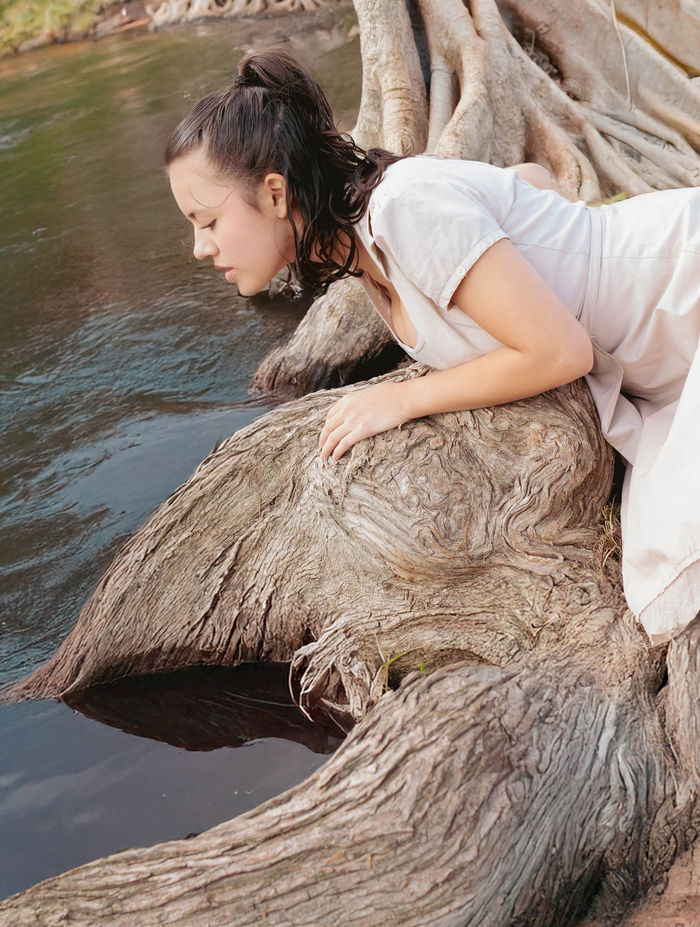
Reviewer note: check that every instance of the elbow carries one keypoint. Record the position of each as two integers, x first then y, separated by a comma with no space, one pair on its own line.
578,361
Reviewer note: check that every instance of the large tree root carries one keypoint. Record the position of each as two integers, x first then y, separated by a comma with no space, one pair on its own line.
267,549
476,795
525,766
341,338
538,762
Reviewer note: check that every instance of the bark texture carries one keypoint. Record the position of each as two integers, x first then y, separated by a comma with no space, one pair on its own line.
532,762
341,338
538,762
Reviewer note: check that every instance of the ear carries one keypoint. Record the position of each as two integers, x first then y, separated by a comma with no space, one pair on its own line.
275,193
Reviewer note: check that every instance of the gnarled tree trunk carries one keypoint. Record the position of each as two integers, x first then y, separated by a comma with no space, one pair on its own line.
539,762
532,758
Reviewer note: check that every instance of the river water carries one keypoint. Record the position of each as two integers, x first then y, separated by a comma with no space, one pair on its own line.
122,362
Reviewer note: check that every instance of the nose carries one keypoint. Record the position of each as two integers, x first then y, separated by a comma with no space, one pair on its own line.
204,245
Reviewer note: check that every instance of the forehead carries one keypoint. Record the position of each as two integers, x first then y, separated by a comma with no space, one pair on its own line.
194,186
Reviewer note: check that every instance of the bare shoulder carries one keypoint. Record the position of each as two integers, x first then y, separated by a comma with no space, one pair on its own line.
534,174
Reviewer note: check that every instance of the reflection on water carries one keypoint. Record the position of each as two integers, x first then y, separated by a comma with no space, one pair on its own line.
122,362
72,790
204,708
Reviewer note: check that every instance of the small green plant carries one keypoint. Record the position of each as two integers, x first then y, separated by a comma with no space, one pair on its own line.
388,663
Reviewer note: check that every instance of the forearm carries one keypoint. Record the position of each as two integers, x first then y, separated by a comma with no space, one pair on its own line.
543,346
503,375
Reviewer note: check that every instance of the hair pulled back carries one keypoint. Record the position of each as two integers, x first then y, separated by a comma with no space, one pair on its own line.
274,117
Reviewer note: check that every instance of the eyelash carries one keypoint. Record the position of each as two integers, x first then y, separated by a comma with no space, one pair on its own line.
210,226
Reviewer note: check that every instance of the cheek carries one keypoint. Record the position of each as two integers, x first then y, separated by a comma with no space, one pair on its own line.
262,238
284,241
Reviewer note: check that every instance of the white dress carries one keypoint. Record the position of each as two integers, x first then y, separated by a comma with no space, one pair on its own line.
630,273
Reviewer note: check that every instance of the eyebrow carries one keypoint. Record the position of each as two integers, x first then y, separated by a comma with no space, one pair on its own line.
192,215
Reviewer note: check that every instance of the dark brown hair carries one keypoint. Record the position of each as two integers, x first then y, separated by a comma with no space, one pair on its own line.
275,117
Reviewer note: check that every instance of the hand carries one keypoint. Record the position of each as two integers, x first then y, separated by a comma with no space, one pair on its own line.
361,414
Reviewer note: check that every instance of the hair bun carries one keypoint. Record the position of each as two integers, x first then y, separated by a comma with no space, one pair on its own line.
278,72
247,75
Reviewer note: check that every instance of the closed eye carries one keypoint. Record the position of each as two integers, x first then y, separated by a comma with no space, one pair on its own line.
211,224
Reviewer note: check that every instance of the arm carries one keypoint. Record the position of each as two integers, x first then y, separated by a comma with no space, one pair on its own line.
544,346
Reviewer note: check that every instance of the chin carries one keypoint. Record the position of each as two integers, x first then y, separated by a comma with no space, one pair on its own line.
246,289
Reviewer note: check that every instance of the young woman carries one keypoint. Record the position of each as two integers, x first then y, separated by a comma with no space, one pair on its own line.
504,287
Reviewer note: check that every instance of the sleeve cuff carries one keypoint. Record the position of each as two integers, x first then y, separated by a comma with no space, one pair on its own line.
465,265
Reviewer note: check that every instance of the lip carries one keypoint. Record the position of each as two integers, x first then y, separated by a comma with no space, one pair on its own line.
230,271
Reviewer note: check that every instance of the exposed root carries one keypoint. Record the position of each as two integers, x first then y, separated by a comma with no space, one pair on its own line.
394,108
341,338
177,11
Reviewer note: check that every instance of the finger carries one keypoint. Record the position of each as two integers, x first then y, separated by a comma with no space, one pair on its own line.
331,423
334,417
345,444
333,439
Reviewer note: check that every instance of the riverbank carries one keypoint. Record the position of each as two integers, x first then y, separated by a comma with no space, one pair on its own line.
30,24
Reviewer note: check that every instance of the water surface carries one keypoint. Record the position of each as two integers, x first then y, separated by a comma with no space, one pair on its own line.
122,363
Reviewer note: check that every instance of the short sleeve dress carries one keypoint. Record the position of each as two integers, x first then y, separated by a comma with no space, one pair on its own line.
630,273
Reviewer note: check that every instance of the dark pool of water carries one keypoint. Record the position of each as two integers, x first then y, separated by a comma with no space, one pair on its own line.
122,362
